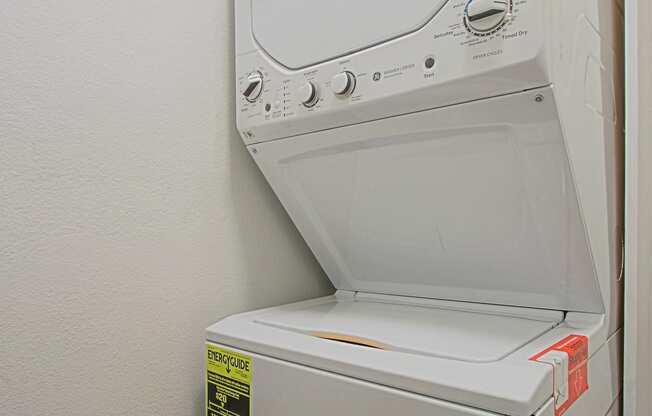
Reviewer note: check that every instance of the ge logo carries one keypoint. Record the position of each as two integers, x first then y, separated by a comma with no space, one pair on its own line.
377,76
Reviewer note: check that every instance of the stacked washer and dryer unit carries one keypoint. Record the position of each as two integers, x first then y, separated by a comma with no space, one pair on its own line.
456,168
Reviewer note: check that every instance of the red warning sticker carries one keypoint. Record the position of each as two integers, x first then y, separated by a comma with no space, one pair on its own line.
569,359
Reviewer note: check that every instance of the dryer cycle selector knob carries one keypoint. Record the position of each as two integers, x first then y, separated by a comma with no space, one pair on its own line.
308,94
254,86
485,16
343,84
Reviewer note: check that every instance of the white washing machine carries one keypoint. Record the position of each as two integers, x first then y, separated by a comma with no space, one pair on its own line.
456,168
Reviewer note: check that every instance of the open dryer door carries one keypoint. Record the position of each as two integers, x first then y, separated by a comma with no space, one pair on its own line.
471,203
299,33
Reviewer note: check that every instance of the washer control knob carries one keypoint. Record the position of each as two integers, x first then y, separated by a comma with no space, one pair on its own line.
343,84
254,86
484,16
308,94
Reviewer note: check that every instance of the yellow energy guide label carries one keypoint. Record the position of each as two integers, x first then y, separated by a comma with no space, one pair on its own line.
228,382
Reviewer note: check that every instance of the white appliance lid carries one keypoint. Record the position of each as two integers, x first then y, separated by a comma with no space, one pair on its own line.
474,203
300,33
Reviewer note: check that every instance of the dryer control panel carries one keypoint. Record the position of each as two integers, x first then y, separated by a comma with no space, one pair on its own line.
471,49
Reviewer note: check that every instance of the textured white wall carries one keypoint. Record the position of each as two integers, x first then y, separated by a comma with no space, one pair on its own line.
131,216
638,321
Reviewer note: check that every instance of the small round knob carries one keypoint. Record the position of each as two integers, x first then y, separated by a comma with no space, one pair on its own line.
343,84
254,86
308,94
483,16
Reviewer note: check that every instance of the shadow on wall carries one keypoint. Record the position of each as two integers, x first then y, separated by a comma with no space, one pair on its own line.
268,262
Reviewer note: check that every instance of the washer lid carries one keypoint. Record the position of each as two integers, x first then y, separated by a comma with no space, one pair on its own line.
474,203
299,33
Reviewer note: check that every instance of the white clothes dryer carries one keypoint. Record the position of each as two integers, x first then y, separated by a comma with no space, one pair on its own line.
456,168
